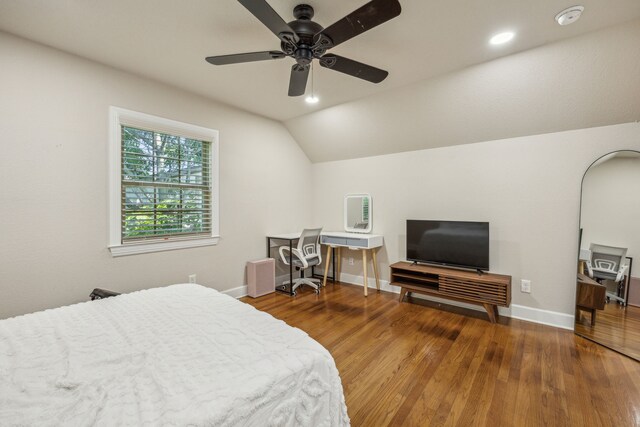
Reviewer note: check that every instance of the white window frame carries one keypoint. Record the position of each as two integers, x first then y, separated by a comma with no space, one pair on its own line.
119,117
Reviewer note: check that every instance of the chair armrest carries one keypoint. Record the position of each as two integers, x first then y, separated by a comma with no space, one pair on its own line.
621,273
589,269
294,251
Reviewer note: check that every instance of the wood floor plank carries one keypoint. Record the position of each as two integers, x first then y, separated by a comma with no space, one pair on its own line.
424,363
477,411
617,327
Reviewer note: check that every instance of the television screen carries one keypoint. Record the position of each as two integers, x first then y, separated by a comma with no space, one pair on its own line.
452,243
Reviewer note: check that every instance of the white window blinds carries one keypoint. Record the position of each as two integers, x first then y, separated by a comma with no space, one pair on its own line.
166,186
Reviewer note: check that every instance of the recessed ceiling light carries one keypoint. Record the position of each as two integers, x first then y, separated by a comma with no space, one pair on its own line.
312,99
502,38
569,15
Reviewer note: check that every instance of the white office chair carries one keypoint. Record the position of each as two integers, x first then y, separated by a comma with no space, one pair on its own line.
607,263
305,255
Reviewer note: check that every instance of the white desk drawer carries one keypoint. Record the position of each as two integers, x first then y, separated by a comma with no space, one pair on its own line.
358,243
342,241
331,240
351,240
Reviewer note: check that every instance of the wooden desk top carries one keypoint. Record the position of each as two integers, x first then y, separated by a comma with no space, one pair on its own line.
583,278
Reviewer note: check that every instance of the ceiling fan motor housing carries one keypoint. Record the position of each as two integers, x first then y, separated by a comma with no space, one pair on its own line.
303,56
306,29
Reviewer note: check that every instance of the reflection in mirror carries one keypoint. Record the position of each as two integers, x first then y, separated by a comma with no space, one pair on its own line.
608,294
357,213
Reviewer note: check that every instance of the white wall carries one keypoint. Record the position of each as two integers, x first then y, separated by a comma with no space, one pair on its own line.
53,170
610,212
528,188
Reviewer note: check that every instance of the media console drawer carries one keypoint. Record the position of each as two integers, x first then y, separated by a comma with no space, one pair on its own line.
493,293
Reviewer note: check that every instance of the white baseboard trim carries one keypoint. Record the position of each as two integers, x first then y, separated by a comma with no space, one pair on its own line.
545,317
239,292
521,312
371,281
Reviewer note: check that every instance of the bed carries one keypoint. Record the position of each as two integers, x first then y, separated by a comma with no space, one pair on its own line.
178,355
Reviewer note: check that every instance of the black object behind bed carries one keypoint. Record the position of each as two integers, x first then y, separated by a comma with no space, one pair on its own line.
98,293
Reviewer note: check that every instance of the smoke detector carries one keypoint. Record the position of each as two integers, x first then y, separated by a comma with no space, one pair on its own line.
569,15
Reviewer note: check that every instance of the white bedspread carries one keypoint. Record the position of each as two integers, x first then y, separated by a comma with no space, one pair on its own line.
179,355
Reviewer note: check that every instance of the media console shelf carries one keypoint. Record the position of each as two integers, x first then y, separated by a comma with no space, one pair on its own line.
487,289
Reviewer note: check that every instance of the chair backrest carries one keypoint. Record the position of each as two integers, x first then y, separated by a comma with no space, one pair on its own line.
608,258
309,243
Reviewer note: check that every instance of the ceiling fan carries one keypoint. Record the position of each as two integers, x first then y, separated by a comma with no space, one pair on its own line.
305,40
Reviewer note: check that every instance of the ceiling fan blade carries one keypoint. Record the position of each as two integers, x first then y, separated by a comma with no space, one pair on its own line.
353,68
360,20
245,57
298,80
265,13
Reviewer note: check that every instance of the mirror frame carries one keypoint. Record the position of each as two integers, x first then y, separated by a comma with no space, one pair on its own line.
580,240
349,229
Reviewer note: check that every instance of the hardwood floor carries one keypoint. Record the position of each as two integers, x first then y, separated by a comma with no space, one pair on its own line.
416,365
616,327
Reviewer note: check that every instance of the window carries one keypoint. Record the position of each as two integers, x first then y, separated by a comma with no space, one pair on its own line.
163,184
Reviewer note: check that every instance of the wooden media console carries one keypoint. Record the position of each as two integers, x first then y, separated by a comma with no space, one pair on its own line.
487,289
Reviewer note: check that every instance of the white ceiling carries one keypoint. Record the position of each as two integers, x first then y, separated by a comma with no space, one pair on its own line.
167,40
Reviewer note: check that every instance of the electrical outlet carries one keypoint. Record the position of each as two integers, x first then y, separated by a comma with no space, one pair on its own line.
350,261
525,286
192,278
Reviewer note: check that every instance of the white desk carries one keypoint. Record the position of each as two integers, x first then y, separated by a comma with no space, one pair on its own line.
364,242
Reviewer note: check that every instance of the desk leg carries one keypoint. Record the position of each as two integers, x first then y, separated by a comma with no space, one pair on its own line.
375,267
333,264
291,267
364,270
326,266
338,265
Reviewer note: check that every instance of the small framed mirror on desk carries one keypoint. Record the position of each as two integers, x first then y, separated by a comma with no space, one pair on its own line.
357,213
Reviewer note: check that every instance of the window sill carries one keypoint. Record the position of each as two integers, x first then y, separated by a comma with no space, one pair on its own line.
144,248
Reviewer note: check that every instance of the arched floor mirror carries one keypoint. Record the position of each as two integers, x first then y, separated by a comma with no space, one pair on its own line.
608,286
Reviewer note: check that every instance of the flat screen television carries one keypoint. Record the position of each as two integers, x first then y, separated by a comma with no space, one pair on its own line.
462,244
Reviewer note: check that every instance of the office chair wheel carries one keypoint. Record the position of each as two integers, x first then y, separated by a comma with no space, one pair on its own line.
317,291
293,293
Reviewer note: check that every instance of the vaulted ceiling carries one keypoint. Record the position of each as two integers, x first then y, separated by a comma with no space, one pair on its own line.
167,41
